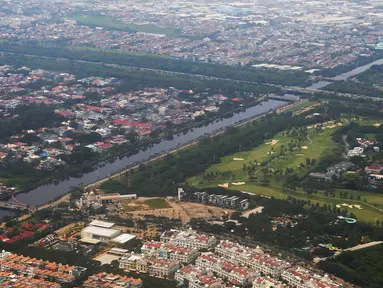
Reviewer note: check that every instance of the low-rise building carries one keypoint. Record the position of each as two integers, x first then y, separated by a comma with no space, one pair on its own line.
188,239
103,279
157,267
197,277
267,282
374,169
255,259
297,277
169,251
39,269
234,273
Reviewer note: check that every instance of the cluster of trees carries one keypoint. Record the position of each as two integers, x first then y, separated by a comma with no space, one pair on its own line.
355,88
362,267
160,178
33,116
155,62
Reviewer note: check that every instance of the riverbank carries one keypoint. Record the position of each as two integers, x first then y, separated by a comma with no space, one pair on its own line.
46,193
133,167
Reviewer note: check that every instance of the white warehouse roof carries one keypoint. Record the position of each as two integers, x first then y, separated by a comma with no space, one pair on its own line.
123,238
103,224
102,232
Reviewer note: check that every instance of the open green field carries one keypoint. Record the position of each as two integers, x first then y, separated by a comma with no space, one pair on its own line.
157,203
319,144
316,145
110,23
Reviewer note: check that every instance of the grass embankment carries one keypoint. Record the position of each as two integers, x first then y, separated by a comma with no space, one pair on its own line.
318,144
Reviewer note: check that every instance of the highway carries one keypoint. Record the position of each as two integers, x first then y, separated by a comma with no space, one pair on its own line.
284,88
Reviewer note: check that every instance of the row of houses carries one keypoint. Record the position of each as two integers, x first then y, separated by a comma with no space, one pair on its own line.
217,264
188,239
39,269
230,202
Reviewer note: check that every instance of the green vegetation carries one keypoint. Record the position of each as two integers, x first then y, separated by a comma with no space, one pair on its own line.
355,88
154,62
263,167
157,203
110,23
368,83
363,267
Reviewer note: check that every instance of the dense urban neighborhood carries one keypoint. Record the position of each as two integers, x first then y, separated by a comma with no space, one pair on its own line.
191,144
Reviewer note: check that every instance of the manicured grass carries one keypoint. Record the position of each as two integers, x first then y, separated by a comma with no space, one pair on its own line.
157,203
321,145
367,214
113,24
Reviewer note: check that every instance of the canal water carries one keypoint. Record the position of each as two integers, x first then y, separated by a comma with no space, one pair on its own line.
46,193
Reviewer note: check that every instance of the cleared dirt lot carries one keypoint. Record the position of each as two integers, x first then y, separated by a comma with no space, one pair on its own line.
183,210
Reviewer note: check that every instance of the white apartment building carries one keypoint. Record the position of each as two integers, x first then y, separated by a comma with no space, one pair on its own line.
267,282
128,262
234,274
169,251
188,239
197,278
297,277
255,259
157,267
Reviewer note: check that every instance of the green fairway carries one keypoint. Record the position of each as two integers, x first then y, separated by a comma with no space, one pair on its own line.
110,23
317,145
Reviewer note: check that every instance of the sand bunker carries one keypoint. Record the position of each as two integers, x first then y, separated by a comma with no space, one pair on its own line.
340,124
238,159
305,147
273,142
238,183
269,153
377,124
349,206
332,126
224,185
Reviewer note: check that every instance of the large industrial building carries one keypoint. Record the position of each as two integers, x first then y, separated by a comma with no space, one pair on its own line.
102,232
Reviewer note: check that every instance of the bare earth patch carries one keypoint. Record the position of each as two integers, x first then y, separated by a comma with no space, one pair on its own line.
183,210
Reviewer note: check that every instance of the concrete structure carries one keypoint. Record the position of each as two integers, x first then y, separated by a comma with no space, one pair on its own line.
188,239
267,282
169,251
157,267
101,231
103,279
231,202
128,262
357,151
374,169
38,269
255,259
197,278
375,179
99,234
123,238
235,274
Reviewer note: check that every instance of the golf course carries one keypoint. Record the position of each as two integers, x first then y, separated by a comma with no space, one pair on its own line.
300,150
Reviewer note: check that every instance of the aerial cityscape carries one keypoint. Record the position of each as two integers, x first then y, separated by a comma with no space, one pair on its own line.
191,144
